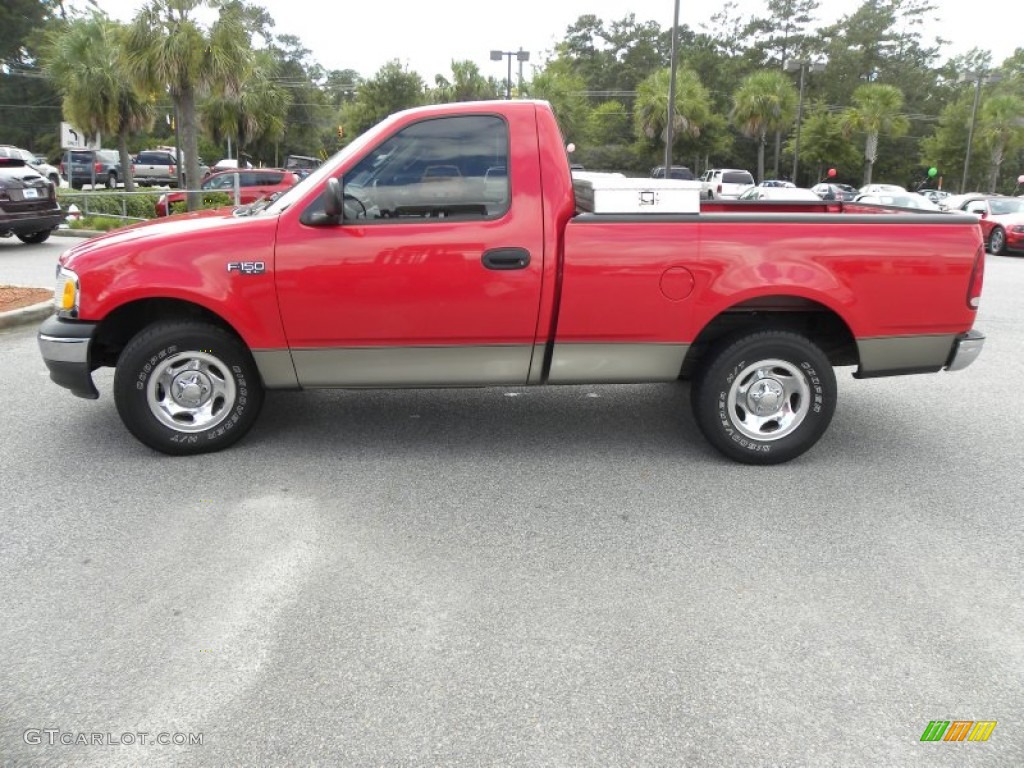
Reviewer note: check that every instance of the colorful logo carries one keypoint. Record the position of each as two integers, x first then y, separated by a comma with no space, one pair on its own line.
958,730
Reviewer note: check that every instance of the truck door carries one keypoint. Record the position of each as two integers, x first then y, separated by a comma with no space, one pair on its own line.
433,277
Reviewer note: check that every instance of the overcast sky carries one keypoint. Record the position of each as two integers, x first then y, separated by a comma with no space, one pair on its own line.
427,35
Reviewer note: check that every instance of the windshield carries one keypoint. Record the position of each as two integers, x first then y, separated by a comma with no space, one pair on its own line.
1000,207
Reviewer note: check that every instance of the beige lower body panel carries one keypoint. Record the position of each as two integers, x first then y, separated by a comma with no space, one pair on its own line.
414,366
601,363
911,354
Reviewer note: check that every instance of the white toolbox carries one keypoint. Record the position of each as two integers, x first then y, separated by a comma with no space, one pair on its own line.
614,193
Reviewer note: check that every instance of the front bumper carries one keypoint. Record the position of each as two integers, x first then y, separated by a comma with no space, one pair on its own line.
966,348
65,348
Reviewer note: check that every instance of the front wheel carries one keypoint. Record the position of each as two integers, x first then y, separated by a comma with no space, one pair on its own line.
765,398
184,388
997,241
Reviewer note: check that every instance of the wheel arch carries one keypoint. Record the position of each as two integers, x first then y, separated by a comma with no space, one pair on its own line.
124,322
812,319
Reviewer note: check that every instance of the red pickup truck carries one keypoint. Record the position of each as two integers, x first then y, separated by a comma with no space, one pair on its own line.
444,248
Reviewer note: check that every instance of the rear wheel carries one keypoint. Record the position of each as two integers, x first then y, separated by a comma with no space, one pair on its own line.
764,398
997,241
111,180
187,387
35,237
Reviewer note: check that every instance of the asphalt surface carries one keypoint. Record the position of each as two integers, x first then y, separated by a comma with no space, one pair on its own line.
564,576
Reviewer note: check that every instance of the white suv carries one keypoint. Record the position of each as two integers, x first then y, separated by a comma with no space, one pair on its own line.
725,182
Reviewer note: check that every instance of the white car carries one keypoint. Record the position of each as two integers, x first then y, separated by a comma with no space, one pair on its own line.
791,194
717,183
45,170
899,199
882,189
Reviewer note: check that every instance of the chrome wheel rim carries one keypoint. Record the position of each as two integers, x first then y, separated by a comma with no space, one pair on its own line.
191,391
996,242
769,400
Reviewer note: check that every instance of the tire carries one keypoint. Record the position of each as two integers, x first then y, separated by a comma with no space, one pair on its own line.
36,237
55,180
781,373
997,242
219,392
77,185
111,180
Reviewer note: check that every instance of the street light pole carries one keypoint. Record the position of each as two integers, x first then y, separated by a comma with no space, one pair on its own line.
980,78
804,66
521,56
669,138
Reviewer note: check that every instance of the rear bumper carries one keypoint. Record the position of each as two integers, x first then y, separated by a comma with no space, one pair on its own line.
30,223
966,349
64,345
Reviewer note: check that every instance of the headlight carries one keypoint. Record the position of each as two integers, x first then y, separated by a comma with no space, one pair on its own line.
65,294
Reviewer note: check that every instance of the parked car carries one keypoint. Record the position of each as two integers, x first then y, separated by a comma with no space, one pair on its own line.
98,167
779,193
725,182
675,172
775,183
882,189
830,191
937,196
899,200
1001,219
28,202
252,183
32,161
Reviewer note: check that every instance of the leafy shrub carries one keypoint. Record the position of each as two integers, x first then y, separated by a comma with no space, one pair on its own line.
138,206
210,200
98,223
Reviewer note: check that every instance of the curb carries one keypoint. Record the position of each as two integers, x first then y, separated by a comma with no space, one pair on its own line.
76,232
26,315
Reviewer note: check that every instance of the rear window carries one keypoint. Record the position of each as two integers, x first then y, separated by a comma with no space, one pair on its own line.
260,179
153,158
737,177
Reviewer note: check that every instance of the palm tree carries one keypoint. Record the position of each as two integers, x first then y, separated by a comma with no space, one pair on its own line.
258,112
85,60
876,111
765,102
691,112
1002,129
168,49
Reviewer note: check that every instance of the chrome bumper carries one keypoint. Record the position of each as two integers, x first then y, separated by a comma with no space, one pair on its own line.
965,349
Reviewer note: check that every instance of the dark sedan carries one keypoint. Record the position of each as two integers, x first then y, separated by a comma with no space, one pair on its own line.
28,203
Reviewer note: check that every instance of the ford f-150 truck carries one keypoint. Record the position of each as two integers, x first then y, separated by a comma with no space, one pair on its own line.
444,248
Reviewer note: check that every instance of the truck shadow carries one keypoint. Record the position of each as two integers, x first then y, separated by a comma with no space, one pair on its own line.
511,422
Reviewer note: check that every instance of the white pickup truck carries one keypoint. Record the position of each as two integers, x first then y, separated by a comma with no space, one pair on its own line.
717,183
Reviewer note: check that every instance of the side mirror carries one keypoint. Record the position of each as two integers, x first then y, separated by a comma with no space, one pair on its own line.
334,203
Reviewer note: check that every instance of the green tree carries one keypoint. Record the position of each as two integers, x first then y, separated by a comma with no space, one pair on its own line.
391,90
559,84
764,102
608,124
259,111
876,111
945,147
467,84
85,60
170,50
690,113
1001,130
823,145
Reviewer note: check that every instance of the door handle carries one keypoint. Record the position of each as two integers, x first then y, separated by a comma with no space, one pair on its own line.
506,258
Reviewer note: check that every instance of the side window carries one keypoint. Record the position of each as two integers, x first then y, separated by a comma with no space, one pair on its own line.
978,206
449,167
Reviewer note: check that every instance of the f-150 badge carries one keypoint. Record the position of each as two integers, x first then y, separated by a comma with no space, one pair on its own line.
247,267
